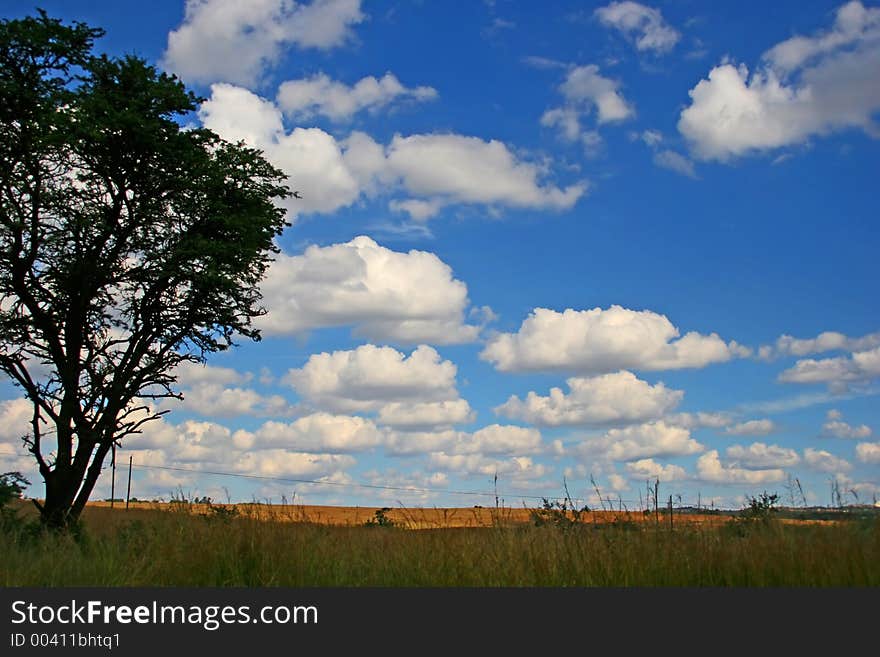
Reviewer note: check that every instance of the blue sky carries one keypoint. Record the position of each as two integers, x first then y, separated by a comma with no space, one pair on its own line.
548,240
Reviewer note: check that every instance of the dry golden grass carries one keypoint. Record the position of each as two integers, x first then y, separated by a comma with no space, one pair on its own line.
182,544
410,518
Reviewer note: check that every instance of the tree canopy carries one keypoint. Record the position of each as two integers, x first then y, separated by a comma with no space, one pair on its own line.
130,242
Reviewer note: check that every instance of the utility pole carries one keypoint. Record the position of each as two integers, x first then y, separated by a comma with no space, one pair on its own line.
128,492
113,477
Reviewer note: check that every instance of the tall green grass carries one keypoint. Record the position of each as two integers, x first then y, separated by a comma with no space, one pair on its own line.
181,549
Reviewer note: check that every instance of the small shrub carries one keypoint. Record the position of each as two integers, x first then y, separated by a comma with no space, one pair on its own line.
380,519
762,507
564,514
12,486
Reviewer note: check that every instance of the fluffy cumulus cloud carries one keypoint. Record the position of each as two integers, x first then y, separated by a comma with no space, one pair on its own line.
699,419
836,427
316,433
450,168
420,415
435,170
585,90
868,452
751,428
315,162
495,439
650,469
284,463
787,345
823,461
618,398
320,95
759,456
805,86
642,441
599,341
316,446
367,378
231,41
642,25
509,470
837,372
711,469
15,419
385,295
215,400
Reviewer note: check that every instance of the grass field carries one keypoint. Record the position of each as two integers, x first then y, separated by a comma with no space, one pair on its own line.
188,545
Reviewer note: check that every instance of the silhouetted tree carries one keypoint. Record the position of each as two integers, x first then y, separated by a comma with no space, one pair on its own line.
128,244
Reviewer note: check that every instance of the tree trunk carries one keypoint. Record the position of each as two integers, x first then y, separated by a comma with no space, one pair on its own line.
55,511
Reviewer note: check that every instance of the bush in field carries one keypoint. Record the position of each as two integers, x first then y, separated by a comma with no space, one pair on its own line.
12,486
762,508
564,514
380,519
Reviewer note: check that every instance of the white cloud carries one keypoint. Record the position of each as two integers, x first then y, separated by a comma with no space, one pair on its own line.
314,161
825,461
853,24
419,415
585,90
509,470
652,138
585,87
367,378
232,41
787,345
650,469
807,86
192,374
417,209
758,456
442,169
752,428
450,168
676,162
617,482
868,452
15,419
643,25
836,372
284,463
495,439
319,95
710,468
319,432
835,426
653,439
611,398
274,449
385,295
699,419
598,341
566,119
502,439
664,157
215,400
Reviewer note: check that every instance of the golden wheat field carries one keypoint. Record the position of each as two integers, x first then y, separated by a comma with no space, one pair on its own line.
410,517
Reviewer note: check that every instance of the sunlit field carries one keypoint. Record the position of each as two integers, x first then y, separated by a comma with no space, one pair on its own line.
260,545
